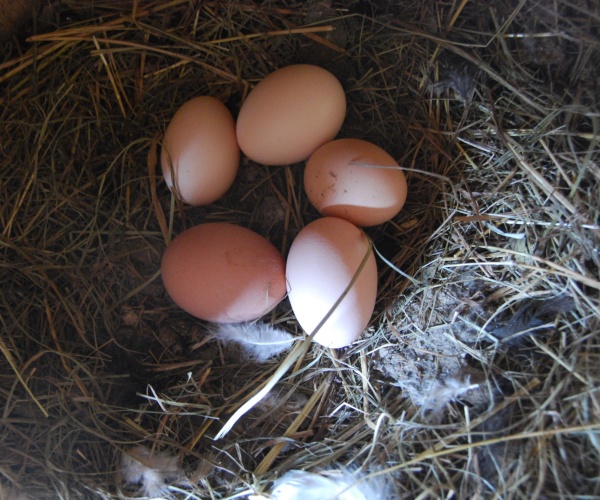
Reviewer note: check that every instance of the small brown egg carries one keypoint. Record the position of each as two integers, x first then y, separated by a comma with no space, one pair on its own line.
223,273
322,261
291,113
348,179
200,148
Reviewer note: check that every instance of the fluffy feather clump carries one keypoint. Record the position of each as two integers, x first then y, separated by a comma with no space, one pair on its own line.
257,341
433,400
151,470
329,485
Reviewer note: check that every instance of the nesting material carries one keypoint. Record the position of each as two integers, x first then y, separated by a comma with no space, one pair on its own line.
8,492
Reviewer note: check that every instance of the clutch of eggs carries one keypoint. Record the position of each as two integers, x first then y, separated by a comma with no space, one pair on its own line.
226,273
223,273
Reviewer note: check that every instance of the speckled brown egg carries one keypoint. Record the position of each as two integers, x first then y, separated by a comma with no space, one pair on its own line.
355,180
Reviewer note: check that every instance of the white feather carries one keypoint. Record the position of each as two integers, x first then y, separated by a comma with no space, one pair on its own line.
149,469
433,401
328,485
258,341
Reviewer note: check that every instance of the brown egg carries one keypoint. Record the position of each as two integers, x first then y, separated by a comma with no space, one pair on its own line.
291,113
321,263
347,178
223,273
200,148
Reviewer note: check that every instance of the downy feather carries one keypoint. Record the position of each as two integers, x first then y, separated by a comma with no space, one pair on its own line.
150,470
328,485
258,341
434,400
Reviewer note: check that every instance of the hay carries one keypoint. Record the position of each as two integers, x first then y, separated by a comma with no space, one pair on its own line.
493,113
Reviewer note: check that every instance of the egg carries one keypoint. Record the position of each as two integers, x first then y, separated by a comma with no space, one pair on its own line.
223,273
347,178
200,150
322,261
290,113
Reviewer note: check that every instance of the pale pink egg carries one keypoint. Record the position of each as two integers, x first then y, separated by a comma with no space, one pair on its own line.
321,263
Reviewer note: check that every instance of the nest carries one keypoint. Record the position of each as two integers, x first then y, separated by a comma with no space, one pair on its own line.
478,374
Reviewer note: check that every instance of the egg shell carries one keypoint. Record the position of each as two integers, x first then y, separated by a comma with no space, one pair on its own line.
200,148
223,273
341,179
290,113
321,263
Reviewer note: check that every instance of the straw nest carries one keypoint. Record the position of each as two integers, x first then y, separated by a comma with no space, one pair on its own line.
478,374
